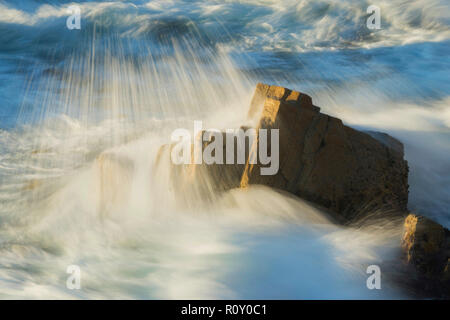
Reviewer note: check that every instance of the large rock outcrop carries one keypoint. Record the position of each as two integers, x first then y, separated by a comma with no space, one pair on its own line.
326,162
347,171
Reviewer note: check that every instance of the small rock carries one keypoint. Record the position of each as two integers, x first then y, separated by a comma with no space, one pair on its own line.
426,247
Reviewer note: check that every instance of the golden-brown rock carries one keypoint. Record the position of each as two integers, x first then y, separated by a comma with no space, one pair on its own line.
320,159
326,162
425,244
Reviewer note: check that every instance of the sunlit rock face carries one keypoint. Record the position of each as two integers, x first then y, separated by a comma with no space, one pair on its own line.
426,246
349,172
326,162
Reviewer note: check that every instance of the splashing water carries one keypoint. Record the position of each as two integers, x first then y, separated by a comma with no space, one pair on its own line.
95,113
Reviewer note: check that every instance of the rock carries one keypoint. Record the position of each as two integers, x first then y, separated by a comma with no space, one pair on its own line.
320,159
424,239
446,275
114,173
326,162
264,91
426,247
387,140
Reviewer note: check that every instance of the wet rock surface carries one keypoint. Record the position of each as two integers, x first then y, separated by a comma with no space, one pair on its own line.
326,162
321,160
426,247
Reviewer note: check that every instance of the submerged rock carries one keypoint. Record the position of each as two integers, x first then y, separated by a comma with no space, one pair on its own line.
114,173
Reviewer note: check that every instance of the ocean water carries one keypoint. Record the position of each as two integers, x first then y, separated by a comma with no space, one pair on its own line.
134,72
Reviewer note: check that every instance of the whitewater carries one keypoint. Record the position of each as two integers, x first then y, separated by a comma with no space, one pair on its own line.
136,71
